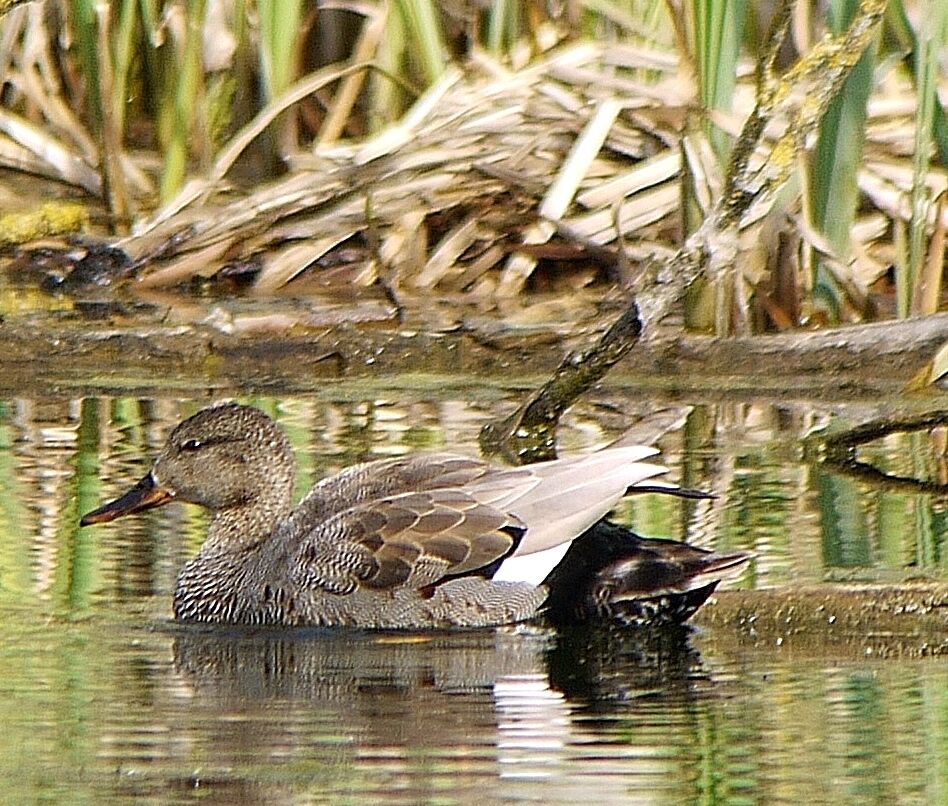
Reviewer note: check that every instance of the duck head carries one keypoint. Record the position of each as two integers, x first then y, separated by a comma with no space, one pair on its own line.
232,459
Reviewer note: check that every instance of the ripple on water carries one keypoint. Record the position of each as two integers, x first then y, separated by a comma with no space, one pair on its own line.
104,700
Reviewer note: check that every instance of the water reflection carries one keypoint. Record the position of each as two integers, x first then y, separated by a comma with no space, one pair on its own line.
164,715
104,700
439,713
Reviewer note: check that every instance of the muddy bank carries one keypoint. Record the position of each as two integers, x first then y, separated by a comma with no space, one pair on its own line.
881,621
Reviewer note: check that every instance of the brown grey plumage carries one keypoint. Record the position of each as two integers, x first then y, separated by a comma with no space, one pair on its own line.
432,540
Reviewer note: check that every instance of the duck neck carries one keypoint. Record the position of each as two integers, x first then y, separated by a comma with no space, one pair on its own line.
241,527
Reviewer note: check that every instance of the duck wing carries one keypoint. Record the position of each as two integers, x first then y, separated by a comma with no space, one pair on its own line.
418,520
368,481
413,539
561,500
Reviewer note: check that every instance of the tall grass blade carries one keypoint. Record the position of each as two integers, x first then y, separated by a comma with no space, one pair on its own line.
280,21
85,30
932,38
187,99
386,99
123,54
423,26
897,23
503,23
834,164
718,34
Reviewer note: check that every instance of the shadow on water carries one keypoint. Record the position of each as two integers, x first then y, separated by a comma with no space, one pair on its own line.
604,665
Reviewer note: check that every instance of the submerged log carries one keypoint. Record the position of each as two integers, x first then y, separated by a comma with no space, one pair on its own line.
864,361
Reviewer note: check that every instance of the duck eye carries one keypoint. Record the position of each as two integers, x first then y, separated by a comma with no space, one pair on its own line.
191,444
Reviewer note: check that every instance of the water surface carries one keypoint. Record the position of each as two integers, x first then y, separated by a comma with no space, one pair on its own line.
105,699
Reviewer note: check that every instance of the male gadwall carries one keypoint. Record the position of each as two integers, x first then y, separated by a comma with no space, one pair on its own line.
424,541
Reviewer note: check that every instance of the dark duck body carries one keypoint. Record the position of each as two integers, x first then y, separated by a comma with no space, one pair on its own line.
425,541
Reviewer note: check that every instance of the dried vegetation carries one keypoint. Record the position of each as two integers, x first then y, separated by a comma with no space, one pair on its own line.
589,160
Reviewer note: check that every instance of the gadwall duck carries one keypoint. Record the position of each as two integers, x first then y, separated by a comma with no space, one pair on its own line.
423,541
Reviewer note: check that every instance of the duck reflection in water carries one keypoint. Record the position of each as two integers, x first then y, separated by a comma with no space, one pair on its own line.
457,712
428,541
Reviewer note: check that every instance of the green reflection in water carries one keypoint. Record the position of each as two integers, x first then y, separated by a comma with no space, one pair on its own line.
846,541
100,704
15,565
